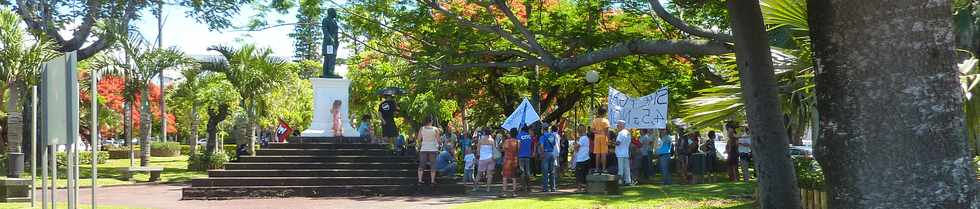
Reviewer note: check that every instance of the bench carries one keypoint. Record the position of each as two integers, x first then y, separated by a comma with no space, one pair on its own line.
154,172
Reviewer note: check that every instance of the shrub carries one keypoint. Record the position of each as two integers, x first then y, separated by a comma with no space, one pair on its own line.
83,157
206,162
119,153
164,149
809,174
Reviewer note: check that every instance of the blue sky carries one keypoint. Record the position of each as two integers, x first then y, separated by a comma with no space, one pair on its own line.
194,38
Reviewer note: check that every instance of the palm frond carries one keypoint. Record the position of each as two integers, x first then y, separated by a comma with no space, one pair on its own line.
788,13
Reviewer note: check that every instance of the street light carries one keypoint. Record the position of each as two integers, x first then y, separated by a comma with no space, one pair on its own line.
592,76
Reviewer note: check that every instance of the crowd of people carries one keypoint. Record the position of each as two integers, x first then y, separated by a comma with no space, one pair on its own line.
546,152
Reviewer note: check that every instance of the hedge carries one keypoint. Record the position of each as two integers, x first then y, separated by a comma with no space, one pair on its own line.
83,157
207,162
164,149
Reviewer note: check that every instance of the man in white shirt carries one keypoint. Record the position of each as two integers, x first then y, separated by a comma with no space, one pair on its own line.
623,153
581,157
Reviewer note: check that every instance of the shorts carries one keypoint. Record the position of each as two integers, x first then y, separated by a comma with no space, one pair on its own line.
486,165
389,130
427,158
601,145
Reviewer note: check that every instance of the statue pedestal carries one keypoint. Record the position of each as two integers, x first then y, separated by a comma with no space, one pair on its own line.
325,92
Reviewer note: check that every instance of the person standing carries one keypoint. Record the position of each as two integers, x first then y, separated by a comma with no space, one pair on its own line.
581,158
465,141
622,143
338,123
524,154
564,146
547,150
428,146
469,164
664,148
683,154
731,150
646,151
600,128
387,109
510,147
711,154
745,155
486,165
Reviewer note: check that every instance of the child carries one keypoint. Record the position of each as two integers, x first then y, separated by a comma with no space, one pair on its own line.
468,167
338,128
365,128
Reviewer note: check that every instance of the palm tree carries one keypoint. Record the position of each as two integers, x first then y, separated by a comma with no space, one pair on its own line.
188,90
138,64
20,62
253,71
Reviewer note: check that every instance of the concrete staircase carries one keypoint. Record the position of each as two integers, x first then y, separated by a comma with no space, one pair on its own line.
317,167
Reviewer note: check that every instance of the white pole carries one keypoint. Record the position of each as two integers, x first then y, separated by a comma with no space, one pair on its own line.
54,174
94,142
70,170
33,144
44,178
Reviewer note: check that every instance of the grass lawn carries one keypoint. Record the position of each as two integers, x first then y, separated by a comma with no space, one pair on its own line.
38,205
702,196
110,173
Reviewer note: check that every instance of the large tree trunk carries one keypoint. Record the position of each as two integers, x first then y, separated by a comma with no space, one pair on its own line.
891,126
777,179
145,126
215,116
195,122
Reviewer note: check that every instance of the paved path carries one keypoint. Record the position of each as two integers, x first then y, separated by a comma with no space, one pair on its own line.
168,197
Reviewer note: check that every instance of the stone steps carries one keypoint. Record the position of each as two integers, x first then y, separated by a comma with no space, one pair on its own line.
315,172
324,146
322,152
318,167
241,192
320,158
304,181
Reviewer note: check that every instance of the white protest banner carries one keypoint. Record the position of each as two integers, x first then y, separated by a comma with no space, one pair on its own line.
645,112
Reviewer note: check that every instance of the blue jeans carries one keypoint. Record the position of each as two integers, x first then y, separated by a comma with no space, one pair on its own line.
646,167
665,167
449,170
548,180
467,175
525,167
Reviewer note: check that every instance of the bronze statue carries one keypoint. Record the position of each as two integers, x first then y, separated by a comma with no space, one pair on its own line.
330,43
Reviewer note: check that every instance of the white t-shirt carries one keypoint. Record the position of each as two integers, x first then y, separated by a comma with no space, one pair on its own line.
744,145
469,159
583,149
623,149
429,137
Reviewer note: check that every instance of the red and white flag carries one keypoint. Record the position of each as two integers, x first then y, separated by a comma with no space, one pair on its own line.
283,131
